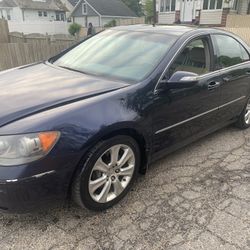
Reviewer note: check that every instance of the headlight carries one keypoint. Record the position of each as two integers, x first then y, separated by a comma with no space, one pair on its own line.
21,149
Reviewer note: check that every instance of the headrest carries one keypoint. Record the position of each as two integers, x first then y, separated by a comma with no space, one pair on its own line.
198,55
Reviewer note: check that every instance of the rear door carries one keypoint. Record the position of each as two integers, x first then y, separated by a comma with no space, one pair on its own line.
232,61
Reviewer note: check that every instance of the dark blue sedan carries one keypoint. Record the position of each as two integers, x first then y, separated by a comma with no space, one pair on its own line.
85,123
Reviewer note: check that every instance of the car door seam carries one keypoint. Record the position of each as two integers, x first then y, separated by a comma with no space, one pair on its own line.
197,116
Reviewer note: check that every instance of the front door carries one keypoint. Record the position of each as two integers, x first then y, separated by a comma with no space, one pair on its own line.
187,10
184,113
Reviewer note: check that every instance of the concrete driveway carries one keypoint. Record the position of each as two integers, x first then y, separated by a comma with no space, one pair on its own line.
197,198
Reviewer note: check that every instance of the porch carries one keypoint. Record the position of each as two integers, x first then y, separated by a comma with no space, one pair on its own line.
204,12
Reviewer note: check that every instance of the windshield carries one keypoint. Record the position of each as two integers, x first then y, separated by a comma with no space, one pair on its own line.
122,55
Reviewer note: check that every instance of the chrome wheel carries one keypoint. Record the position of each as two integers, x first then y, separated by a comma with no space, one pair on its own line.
247,115
111,173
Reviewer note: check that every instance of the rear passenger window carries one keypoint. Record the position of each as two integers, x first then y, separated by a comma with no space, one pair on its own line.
229,51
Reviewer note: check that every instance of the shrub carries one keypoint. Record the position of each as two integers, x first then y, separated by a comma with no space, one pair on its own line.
111,23
74,29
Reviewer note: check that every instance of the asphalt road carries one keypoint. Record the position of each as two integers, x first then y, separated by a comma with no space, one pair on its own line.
197,198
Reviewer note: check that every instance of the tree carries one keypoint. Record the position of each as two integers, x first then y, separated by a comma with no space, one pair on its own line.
74,29
149,10
135,6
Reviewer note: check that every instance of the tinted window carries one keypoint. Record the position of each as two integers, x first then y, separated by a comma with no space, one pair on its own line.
229,51
124,55
194,58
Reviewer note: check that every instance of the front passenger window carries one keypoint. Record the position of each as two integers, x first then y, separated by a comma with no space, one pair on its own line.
194,58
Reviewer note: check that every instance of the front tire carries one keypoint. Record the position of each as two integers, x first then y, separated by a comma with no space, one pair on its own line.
108,173
244,119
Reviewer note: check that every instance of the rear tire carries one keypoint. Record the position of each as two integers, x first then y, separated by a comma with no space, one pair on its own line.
107,174
244,118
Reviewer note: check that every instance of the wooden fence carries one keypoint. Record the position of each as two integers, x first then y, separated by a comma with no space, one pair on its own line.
18,49
131,21
17,54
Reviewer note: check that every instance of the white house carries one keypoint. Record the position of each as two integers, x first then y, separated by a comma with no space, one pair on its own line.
70,5
205,12
34,16
99,12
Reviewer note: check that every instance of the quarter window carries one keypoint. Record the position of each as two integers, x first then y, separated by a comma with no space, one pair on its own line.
194,58
229,51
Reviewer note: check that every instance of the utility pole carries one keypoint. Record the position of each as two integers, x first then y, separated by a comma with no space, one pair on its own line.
155,14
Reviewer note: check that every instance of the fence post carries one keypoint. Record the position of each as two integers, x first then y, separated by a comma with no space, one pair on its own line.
4,31
23,38
48,39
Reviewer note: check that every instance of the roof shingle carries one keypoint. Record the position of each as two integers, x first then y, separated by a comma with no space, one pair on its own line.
114,8
38,5
7,3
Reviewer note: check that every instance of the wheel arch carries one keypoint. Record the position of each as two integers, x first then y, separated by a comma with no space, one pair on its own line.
140,138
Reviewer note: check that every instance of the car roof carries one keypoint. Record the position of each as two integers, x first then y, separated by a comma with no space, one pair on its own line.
175,30
179,31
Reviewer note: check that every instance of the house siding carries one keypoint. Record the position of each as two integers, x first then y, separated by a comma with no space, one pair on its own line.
17,14
42,27
32,15
167,18
243,7
211,17
80,20
78,11
95,20
68,6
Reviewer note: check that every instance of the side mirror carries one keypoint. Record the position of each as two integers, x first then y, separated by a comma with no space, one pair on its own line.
180,79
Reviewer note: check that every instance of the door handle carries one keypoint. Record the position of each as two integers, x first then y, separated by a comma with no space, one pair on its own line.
213,85
248,73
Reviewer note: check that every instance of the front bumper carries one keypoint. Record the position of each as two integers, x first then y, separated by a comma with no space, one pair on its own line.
26,194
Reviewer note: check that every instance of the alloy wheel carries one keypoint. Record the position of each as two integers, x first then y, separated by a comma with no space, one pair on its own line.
111,173
247,115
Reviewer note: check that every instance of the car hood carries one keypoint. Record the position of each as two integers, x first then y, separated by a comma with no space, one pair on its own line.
31,89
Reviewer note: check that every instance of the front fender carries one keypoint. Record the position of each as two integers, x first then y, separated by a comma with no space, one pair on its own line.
85,122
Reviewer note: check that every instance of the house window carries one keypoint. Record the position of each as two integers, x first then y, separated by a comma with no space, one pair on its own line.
167,5
45,13
212,4
8,15
235,4
84,8
162,6
57,17
62,17
40,13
